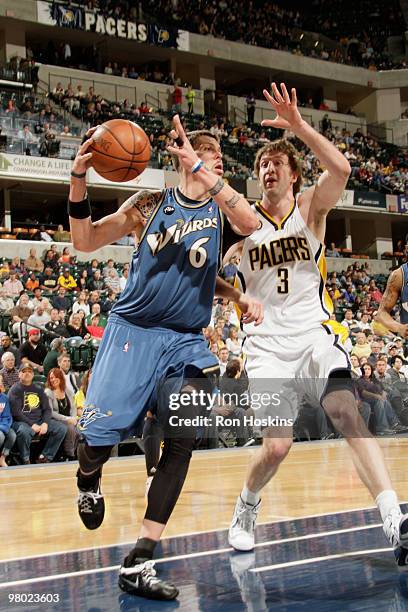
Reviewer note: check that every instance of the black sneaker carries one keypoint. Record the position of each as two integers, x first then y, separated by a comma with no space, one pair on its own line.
140,579
91,506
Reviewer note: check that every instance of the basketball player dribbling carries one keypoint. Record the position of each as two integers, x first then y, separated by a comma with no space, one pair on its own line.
283,266
153,343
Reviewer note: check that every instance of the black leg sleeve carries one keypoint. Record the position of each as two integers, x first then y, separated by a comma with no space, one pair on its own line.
152,437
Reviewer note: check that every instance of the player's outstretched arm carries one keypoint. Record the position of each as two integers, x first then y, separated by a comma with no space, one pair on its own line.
325,194
252,310
132,216
236,208
389,300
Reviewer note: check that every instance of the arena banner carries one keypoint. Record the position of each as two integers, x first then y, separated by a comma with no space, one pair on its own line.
26,167
346,199
370,199
403,204
74,17
56,14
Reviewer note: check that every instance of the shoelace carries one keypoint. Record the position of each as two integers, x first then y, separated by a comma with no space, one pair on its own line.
87,500
246,516
146,570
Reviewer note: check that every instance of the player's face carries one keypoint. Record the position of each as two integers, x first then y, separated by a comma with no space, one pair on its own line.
209,150
275,175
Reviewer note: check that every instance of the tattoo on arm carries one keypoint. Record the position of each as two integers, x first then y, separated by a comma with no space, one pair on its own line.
392,291
145,202
232,202
219,185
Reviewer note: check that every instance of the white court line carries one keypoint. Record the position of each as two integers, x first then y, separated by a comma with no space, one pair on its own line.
189,533
266,568
205,553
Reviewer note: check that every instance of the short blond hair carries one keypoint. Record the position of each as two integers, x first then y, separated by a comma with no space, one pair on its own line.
282,146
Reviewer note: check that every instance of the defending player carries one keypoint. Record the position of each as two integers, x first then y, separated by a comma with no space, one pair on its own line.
397,289
283,265
153,343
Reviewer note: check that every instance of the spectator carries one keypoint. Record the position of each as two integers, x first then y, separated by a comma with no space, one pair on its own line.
76,327
33,263
355,366
6,346
57,348
38,319
40,300
376,349
7,433
223,359
371,393
80,395
250,105
81,303
32,282
33,351
61,301
112,281
32,416
6,303
66,280
13,287
82,281
96,283
9,372
110,267
19,316
123,279
55,324
108,302
62,235
96,321
63,409
362,348
51,260
42,235
71,382
66,257
48,280
190,97
233,343
332,251
176,99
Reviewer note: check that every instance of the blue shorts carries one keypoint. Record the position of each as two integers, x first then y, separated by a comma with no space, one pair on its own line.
127,379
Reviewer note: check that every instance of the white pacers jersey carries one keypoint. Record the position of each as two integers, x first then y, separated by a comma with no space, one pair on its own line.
283,265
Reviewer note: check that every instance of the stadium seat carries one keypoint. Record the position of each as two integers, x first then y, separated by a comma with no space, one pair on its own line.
79,352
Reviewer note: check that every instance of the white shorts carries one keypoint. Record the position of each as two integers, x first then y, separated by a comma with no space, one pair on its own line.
295,367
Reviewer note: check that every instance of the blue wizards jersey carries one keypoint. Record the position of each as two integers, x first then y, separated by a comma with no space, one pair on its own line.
172,277
404,295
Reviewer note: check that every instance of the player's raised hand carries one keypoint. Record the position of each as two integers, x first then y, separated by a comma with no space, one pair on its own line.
252,310
182,147
288,116
83,158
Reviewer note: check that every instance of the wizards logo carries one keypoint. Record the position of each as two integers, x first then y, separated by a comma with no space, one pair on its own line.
89,415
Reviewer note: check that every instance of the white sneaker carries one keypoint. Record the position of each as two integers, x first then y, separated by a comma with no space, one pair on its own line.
147,485
241,534
396,528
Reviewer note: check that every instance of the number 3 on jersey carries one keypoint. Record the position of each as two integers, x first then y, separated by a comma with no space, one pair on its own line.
198,255
283,278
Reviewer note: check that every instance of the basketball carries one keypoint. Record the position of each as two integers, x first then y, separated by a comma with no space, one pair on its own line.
120,151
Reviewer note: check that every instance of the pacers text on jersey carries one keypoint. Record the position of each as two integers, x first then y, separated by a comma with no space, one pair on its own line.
276,252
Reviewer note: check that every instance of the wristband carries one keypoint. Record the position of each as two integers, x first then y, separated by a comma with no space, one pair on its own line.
76,175
79,210
199,164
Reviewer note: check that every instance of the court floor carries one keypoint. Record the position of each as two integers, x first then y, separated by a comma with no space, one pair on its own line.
320,544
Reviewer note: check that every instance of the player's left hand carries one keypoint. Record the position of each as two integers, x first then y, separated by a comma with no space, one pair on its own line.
288,116
252,310
182,147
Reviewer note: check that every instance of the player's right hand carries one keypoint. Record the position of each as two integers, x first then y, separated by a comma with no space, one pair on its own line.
83,159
